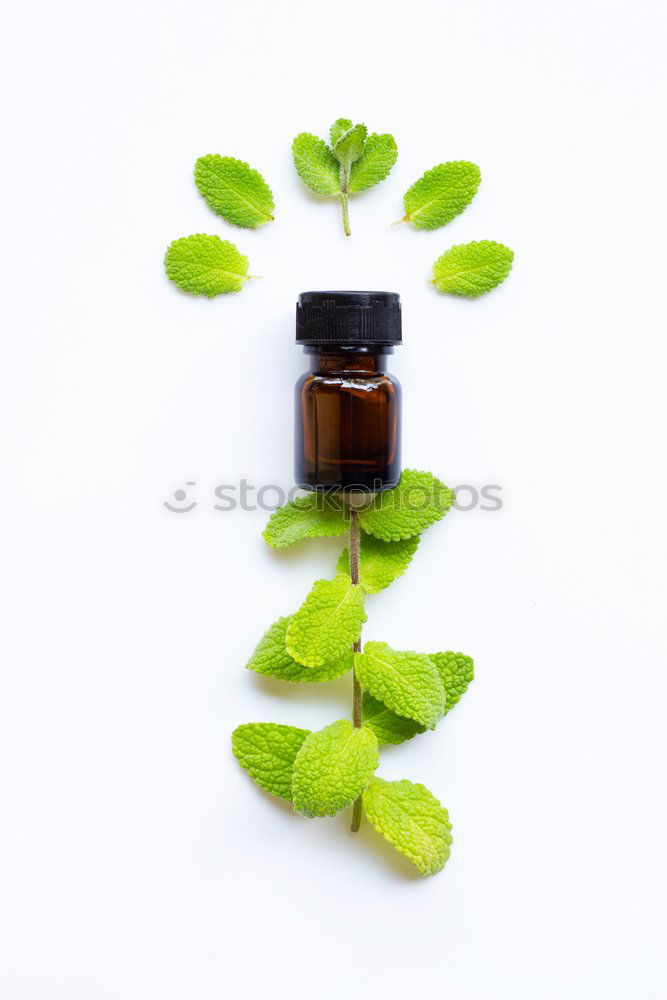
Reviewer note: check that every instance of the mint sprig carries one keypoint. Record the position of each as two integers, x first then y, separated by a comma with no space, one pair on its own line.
352,163
397,694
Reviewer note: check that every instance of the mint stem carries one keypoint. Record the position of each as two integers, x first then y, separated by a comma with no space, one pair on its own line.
356,686
344,192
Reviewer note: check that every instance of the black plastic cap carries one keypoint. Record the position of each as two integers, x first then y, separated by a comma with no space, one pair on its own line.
348,318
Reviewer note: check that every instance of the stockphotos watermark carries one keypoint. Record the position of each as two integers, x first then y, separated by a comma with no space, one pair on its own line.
249,496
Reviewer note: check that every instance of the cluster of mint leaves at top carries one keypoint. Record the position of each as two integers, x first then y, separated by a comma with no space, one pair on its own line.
404,692
349,164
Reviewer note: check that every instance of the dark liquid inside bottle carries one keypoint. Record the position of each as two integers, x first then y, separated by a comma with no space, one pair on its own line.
347,427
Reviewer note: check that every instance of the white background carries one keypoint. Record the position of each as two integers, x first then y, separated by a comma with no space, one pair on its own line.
138,860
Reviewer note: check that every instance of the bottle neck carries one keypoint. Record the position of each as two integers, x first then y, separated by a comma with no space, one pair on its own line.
364,359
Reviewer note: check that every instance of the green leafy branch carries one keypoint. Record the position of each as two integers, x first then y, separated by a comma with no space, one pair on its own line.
352,163
397,694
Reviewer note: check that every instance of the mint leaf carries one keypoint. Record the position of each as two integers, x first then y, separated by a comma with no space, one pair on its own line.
339,127
315,164
456,673
373,166
411,818
441,194
205,265
356,162
471,269
332,768
271,659
234,190
387,726
267,751
328,622
406,682
380,562
418,501
306,517
350,144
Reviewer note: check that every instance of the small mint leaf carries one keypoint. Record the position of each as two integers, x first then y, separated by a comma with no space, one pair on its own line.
316,165
338,129
441,194
379,156
406,682
327,623
267,751
418,501
332,768
271,659
380,562
313,516
234,190
470,269
411,818
206,265
350,145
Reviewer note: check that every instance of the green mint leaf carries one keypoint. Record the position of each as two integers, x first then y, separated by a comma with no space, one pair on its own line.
406,682
267,751
333,767
471,269
206,265
456,673
327,623
411,818
380,562
316,165
306,517
417,502
350,145
387,726
338,129
272,659
234,190
441,194
373,166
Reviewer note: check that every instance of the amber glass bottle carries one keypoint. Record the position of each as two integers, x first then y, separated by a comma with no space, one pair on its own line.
348,408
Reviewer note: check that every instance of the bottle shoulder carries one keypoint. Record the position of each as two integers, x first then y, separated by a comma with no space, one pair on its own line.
332,381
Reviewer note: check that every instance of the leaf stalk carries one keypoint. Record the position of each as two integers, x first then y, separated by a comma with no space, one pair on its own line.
344,198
